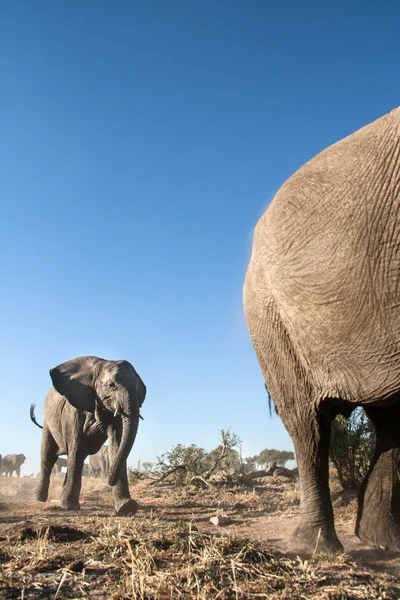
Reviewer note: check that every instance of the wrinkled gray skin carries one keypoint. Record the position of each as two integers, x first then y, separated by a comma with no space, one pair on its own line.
322,304
60,463
99,463
92,399
11,463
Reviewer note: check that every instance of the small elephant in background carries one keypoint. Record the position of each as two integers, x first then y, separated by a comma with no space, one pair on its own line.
11,463
60,463
99,463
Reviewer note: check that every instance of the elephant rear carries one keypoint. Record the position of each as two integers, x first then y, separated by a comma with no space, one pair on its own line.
325,267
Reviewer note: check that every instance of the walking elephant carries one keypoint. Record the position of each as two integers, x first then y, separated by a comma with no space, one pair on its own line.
92,399
11,463
322,304
99,463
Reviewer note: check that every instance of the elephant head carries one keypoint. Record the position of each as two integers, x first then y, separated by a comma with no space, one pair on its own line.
112,387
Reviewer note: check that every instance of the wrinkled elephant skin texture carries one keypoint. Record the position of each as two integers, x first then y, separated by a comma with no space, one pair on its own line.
11,463
322,304
92,399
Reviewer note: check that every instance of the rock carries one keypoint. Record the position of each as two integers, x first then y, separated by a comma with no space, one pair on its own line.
220,520
239,506
284,472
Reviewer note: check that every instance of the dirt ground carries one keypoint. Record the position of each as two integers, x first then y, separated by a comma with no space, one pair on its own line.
171,550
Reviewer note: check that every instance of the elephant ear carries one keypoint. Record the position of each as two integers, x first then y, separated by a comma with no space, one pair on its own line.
74,380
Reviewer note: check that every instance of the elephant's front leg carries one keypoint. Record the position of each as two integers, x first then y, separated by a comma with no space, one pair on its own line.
123,503
311,437
73,480
47,461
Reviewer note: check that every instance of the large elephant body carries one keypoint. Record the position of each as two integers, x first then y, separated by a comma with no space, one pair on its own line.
92,399
99,463
11,463
322,303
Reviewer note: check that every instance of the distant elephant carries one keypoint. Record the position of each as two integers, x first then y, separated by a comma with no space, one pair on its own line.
85,470
11,463
92,399
99,463
59,464
322,304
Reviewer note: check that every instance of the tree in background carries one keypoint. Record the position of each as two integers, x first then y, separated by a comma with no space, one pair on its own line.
352,446
271,455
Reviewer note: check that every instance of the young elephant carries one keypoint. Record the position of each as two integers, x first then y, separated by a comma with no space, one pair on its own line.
92,399
99,463
11,463
60,463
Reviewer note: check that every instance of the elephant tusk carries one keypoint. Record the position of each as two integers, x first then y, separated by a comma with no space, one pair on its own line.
116,413
140,417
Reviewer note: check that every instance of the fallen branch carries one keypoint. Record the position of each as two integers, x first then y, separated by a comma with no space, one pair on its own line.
168,473
198,479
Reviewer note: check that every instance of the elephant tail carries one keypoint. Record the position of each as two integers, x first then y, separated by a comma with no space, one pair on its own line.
33,418
271,405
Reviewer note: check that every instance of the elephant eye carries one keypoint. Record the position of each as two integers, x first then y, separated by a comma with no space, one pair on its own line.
111,385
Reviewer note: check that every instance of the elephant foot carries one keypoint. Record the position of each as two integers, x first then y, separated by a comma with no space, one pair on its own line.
308,539
41,495
70,505
378,519
383,538
127,508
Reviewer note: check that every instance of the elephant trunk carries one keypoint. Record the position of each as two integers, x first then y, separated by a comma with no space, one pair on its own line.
129,429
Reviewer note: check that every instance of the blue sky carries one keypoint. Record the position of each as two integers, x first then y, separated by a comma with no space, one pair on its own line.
140,142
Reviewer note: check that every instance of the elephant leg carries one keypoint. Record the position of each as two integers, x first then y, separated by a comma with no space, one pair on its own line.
73,480
123,503
311,438
18,471
103,469
378,519
47,461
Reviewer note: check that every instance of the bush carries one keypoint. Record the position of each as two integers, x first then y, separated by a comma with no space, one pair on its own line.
183,463
352,446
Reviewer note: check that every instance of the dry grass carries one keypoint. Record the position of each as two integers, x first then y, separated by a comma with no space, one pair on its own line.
162,553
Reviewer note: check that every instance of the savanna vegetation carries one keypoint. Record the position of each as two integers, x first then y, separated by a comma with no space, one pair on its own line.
205,529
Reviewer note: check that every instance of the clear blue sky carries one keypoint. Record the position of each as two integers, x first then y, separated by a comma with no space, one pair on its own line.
140,142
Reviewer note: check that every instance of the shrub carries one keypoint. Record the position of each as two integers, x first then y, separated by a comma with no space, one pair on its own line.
351,449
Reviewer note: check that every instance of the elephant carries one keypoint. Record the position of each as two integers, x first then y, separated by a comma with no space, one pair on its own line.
59,464
99,463
92,399
322,303
11,463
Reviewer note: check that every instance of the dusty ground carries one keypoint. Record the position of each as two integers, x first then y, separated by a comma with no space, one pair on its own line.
171,550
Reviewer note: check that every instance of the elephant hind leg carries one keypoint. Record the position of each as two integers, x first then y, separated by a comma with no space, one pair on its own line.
378,518
311,439
306,418
48,458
